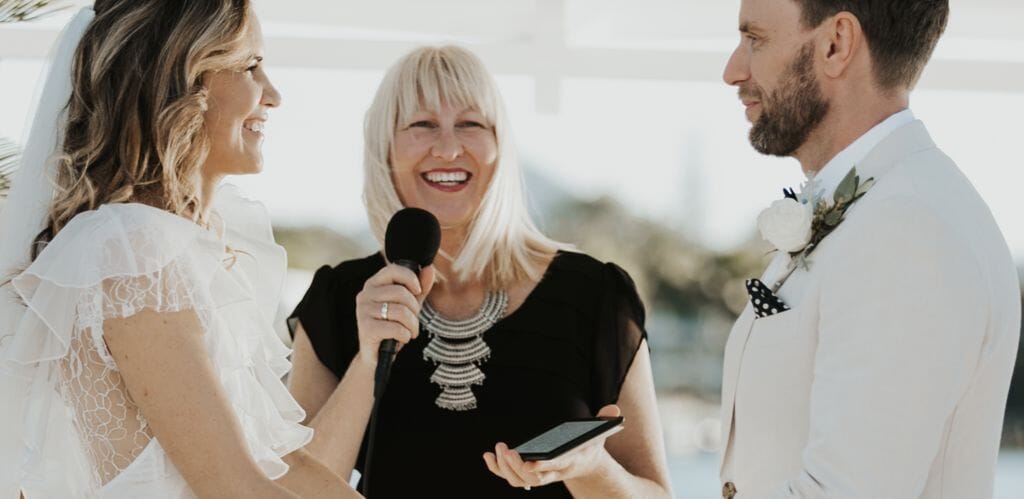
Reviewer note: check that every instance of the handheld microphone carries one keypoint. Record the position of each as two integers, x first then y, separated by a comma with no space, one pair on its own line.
411,240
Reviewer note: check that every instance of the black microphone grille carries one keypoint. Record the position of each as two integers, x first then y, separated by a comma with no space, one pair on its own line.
412,234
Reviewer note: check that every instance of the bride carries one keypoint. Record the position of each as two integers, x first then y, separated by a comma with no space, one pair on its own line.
137,357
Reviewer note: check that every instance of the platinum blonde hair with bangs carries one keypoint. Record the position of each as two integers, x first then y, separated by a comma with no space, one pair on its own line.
503,246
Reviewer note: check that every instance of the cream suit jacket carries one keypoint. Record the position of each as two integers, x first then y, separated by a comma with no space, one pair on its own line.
889,375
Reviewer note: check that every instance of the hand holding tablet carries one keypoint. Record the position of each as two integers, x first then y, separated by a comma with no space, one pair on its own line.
567,436
570,450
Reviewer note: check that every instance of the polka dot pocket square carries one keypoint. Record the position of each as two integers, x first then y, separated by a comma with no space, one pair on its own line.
765,303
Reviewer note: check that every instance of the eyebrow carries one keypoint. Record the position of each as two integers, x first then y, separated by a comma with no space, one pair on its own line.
749,27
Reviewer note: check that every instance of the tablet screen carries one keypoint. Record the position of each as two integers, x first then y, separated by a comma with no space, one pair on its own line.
557,436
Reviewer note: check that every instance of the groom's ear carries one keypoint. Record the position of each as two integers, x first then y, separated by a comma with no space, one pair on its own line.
843,43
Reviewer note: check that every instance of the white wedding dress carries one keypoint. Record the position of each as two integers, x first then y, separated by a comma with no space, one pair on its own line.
83,435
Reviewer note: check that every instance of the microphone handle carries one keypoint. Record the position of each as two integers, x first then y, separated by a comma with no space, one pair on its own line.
388,348
385,356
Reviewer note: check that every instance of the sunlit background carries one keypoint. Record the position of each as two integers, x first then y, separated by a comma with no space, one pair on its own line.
634,148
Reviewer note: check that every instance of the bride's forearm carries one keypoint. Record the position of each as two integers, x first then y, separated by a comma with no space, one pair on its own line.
309,478
339,425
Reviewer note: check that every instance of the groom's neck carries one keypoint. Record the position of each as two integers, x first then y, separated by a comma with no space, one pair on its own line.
847,120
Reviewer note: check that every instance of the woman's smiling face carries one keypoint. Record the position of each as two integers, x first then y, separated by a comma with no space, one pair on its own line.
239,100
443,160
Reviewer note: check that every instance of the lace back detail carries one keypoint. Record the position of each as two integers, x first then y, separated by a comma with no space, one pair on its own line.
112,430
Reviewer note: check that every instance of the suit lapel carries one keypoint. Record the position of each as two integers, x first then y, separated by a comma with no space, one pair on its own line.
730,375
734,349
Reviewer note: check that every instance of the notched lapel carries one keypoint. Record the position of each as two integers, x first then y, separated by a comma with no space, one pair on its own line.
730,373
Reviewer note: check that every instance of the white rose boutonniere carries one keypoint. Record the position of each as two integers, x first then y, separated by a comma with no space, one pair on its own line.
798,222
786,224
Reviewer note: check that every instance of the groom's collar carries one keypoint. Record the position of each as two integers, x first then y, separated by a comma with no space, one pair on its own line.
910,139
828,178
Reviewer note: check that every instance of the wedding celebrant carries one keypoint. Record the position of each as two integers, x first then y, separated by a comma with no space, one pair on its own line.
516,335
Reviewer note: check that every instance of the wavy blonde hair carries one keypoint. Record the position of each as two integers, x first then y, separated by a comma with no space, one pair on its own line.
135,121
504,246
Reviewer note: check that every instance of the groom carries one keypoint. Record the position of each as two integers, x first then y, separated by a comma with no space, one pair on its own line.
874,358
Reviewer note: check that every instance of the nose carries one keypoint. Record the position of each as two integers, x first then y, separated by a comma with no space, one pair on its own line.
447,147
271,96
737,70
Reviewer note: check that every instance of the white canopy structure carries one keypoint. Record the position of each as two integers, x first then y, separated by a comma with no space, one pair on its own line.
607,97
550,40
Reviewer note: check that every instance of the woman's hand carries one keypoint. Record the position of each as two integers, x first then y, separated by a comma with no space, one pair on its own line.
388,307
583,461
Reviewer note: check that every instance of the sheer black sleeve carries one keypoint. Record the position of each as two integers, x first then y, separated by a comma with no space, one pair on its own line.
620,333
327,315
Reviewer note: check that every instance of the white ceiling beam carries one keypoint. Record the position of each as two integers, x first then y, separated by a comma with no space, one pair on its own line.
550,55
487,19
522,58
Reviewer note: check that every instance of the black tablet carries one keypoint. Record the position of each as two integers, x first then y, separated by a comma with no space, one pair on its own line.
567,436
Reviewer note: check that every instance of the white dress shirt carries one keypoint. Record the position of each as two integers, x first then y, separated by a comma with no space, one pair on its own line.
828,178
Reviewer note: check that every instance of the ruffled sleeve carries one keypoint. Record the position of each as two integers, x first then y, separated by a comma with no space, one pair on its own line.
620,333
253,278
121,259
109,263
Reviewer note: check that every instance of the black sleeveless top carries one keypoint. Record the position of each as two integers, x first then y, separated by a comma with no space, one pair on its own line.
562,354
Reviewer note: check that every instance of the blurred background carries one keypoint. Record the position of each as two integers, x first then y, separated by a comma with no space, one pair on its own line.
635,151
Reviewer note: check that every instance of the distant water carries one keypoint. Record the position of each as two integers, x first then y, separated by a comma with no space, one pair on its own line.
696,477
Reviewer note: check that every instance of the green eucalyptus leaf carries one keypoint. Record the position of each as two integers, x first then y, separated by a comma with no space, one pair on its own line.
847,187
833,218
867,184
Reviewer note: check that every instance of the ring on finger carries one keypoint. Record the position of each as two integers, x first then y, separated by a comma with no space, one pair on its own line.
384,311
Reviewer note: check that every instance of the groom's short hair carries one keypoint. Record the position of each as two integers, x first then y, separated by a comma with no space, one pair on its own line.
901,34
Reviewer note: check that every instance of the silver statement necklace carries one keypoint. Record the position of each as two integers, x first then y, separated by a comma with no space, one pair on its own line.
458,350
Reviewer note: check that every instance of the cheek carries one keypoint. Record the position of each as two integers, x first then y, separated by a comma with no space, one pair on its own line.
405,153
218,127
484,151
230,105
403,185
765,70
217,130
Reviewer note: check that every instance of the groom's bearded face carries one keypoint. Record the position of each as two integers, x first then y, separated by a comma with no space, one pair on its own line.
791,111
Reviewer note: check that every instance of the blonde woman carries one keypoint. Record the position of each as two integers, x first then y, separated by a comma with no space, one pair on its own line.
516,335
136,358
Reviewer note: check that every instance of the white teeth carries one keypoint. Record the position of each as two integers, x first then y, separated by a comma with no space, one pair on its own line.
255,126
447,177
